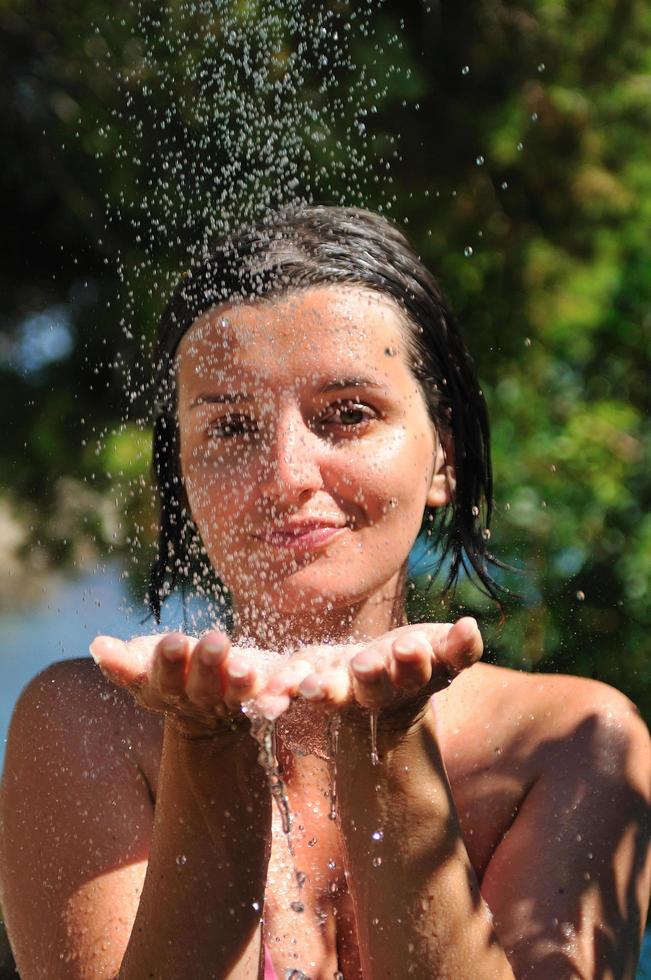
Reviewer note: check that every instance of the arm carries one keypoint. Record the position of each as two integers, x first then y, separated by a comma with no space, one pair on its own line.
417,903
78,831
569,882
200,910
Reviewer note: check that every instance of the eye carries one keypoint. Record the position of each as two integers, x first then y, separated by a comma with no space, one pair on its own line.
231,426
348,414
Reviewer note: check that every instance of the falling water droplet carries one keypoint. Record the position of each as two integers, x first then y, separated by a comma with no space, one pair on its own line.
580,595
468,251
378,835
375,759
376,862
297,907
480,161
541,67
181,860
264,732
333,741
465,70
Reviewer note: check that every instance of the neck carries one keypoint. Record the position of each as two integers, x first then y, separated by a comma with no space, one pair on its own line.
270,626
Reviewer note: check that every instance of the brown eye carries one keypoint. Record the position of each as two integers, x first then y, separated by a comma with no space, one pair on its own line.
231,426
349,414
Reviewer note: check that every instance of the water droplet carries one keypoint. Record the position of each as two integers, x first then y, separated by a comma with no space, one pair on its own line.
475,511
534,117
376,862
311,842
527,341
580,595
375,758
390,351
541,67
465,70
181,859
378,835
480,161
332,864
520,147
468,251
297,907
256,906
505,184
301,878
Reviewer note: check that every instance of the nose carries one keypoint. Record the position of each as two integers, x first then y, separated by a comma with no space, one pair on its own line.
293,460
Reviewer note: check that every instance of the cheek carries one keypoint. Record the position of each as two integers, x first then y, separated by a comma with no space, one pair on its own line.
216,497
391,473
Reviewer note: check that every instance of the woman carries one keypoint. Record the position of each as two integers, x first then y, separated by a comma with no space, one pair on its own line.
316,410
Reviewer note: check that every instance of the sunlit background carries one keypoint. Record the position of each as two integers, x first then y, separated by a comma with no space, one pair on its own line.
510,139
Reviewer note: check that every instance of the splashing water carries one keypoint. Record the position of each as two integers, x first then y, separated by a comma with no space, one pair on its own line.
333,740
264,732
375,758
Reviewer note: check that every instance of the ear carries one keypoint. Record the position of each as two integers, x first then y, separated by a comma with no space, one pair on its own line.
443,483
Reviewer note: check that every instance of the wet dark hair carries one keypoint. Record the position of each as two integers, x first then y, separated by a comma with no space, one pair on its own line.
313,246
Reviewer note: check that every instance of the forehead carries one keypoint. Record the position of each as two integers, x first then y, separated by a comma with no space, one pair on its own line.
329,329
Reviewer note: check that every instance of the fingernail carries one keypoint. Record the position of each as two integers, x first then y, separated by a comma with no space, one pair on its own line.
237,670
311,689
172,648
105,641
211,652
364,667
401,646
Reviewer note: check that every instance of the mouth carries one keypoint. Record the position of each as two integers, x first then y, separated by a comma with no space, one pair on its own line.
302,536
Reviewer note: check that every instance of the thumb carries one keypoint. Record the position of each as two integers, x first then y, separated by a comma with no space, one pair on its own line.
462,647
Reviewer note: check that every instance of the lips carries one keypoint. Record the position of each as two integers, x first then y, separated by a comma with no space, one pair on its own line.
302,535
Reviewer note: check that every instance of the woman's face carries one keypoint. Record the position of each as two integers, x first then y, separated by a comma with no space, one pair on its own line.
306,447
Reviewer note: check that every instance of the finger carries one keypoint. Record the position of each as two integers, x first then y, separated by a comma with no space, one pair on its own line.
463,646
280,688
370,679
410,665
241,682
332,688
170,667
287,678
270,706
117,661
204,684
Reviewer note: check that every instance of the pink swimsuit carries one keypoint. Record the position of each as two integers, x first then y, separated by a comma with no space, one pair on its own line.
269,971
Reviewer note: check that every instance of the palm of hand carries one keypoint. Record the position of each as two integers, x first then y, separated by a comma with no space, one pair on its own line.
202,684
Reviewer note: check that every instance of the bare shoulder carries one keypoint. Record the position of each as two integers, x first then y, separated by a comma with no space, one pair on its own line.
76,816
73,698
548,711
552,779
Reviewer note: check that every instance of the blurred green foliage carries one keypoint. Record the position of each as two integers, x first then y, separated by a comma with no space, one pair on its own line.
512,140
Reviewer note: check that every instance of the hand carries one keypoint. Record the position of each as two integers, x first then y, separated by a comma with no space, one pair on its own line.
199,684
394,675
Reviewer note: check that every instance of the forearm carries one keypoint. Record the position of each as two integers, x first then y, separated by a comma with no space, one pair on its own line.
201,905
417,904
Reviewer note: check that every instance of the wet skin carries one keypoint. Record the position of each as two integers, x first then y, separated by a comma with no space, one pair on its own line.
308,458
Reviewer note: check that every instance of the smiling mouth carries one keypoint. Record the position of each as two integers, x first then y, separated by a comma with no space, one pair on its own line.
301,537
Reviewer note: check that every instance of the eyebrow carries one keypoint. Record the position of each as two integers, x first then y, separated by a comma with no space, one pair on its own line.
338,384
335,384
219,398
